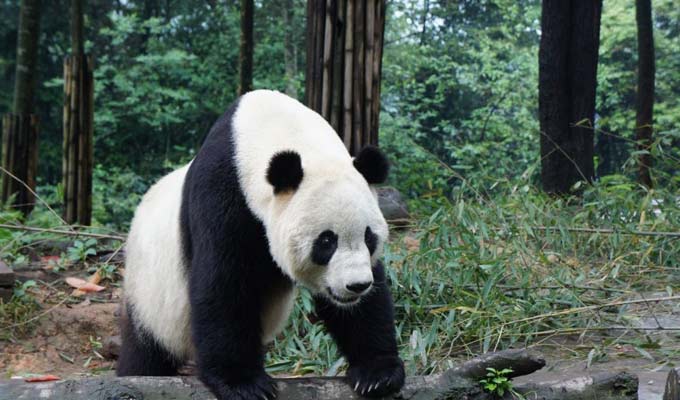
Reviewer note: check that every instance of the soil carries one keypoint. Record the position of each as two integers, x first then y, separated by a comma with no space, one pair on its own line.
66,343
67,340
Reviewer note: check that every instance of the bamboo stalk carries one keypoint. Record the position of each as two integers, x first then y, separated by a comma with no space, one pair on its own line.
358,81
339,67
327,60
6,128
348,85
77,143
87,219
368,71
377,69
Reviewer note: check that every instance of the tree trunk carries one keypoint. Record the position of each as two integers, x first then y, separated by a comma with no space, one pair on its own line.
568,57
645,88
246,54
78,125
20,129
20,158
344,59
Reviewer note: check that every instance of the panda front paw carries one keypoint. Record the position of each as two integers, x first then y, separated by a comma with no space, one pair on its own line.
259,387
378,377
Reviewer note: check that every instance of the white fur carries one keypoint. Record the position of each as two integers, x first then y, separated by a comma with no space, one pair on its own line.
155,281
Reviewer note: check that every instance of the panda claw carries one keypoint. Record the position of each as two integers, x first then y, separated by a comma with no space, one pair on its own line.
356,386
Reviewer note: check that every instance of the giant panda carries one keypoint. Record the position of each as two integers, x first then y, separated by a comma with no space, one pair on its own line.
272,200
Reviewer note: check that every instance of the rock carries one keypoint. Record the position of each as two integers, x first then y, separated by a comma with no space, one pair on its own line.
6,294
6,275
111,347
6,282
393,205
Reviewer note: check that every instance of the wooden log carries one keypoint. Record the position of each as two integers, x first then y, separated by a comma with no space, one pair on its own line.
672,391
459,383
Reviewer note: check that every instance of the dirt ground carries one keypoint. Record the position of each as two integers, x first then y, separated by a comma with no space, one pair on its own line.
67,335
66,343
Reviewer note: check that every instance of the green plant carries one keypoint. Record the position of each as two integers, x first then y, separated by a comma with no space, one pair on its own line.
81,250
21,292
16,314
498,383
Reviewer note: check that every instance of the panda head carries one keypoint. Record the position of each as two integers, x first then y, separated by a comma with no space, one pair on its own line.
325,229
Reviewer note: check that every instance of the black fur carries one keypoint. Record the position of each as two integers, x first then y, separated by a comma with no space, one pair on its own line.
285,171
371,240
372,164
231,274
366,336
324,247
140,354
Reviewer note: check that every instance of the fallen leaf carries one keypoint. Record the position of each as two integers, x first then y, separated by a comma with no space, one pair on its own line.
83,286
42,378
47,259
93,279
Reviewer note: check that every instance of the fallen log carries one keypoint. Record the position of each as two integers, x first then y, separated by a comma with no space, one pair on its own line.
461,382
672,390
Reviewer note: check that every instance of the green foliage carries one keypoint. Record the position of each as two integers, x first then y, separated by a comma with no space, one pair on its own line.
497,382
117,191
21,290
16,314
467,92
81,250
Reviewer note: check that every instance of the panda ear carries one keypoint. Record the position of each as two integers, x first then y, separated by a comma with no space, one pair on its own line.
285,171
372,164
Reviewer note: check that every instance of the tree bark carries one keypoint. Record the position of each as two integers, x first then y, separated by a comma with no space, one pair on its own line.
455,384
568,56
645,88
20,129
344,60
20,158
78,125
27,56
246,54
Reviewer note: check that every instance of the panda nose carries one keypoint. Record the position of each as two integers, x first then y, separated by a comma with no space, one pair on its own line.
359,288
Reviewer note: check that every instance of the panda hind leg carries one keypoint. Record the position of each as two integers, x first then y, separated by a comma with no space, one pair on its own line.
140,354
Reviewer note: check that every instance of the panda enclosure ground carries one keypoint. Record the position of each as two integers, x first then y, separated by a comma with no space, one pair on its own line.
474,277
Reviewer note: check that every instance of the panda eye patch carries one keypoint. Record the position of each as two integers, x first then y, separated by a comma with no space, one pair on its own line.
324,247
371,240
